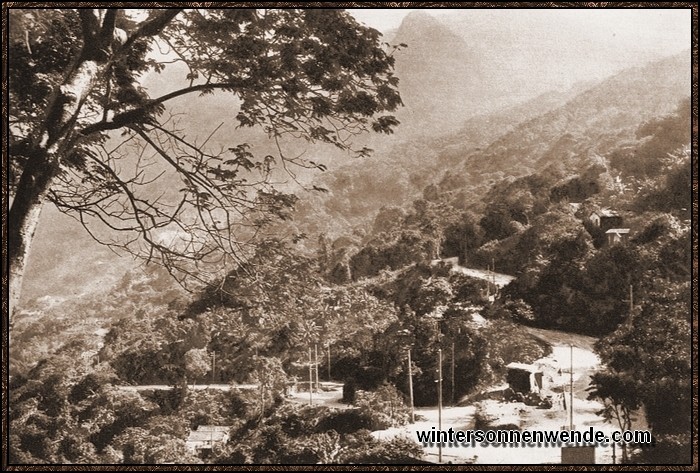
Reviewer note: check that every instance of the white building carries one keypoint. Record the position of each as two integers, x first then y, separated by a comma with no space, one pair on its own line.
206,437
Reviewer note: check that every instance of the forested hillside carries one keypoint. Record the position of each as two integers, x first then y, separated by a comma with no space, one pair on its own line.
554,136
367,302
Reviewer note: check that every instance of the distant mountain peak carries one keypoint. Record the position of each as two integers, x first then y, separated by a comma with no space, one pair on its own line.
442,82
418,16
420,27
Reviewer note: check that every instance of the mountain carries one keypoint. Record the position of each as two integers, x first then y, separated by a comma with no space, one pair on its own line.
557,128
594,122
65,261
462,63
441,79
482,130
527,52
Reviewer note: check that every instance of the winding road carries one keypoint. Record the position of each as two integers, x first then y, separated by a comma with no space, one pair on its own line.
499,279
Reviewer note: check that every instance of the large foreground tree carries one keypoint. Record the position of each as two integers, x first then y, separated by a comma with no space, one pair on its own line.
86,135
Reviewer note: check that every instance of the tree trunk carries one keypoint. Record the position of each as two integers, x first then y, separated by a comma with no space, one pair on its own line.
50,142
24,215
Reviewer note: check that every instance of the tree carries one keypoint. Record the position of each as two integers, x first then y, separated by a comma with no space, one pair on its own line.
385,407
618,393
270,378
462,237
388,219
139,445
648,363
86,136
362,448
197,363
497,224
214,407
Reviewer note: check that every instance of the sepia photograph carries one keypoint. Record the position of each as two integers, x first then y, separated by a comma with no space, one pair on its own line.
412,235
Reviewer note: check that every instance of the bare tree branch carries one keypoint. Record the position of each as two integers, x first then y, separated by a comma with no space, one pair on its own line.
151,27
107,31
139,114
89,23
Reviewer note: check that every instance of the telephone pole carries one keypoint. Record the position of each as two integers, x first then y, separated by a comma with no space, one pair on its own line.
316,364
213,367
631,300
410,386
311,381
329,361
571,389
488,281
439,402
452,376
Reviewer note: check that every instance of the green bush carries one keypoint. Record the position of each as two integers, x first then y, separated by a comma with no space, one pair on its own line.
345,422
385,407
362,448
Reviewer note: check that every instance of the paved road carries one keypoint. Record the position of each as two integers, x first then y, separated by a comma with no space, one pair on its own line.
197,387
500,279
325,387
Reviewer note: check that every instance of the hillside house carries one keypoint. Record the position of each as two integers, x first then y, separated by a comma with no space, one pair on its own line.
605,219
617,235
206,437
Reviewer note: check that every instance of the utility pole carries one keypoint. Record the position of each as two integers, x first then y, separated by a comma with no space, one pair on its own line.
316,364
439,402
311,381
452,376
329,362
631,300
571,389
410,386
262,399
213,367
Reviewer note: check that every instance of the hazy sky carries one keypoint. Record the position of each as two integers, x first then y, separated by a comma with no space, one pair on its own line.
654,28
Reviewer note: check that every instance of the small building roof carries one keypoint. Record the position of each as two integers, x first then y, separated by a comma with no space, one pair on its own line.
606,213
207,436
213,428
619,231
523,367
